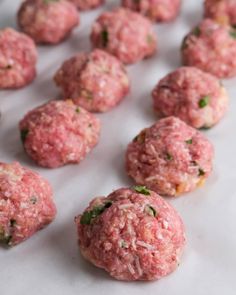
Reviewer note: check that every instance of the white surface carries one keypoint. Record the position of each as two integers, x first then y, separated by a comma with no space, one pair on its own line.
49,262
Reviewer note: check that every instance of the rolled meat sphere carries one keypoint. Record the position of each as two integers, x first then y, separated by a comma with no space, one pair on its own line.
156,10
133,234
59,133
47,21
210,47
96,81
125,34
18,57
196,97
170,157
223,11
26,203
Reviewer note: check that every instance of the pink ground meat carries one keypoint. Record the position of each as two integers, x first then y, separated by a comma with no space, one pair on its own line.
26,203
87,4
59,133
96,81
133,234
47,21
196,97
211,48
18,57
223,11
125,34
156,10
170,157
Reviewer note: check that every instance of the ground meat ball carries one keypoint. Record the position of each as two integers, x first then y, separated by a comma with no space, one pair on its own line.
125,34
59,133
211,48
157,10
87,4
47,21
18,57
133,234
223,11
26,203
97,81
196,97
170,157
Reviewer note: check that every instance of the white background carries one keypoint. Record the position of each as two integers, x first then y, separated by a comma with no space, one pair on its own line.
49,262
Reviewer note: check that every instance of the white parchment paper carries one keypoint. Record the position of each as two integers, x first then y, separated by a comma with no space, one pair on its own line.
49,262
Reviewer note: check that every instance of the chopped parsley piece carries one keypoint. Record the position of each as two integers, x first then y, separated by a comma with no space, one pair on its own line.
77,110
184,43
189,141
105,37
49,1
196,31
201,172
204,101
149,39
12,222
140,138
205,128
233,34
23,134
33,200
151,211
169,156
88,216
142,190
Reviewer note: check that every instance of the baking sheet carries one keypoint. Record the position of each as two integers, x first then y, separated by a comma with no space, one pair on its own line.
49,262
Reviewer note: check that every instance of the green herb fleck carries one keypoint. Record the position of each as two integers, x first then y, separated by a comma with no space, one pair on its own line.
233,34
196,31
49,1
12,222
124,244
204,101
189,141
88,216
8,239
23,134
151,211
150,39
142,190
140,138
205,128
77,110
169,156
105,37
33,200
201,172
184,44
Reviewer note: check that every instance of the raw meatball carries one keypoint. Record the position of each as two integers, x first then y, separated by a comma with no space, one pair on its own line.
211,48
59,133
196,97
170,157
18,57
97,81
26,203
223,11
133,234
87,4
125,34
48,21
156,10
